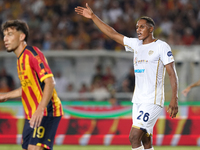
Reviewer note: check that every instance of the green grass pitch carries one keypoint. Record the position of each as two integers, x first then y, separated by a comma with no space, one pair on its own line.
100,147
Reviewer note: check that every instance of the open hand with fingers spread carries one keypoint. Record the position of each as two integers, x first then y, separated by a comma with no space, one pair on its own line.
86,12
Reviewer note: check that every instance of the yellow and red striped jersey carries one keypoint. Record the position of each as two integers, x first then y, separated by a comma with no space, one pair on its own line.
33,69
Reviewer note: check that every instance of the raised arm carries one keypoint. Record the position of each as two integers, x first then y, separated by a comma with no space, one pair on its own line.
13,94
106,29
186,90
173,106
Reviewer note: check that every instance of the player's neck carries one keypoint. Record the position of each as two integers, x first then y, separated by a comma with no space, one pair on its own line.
148,40
20,48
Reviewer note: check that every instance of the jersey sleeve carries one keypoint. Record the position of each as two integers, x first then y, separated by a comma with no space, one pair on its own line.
40,66
130,44
166,54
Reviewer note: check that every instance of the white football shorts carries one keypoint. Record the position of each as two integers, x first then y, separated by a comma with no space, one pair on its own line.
145,115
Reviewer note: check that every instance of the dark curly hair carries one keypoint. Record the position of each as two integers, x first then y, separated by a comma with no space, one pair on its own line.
19,25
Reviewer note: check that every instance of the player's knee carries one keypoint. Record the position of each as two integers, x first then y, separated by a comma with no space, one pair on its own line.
134,138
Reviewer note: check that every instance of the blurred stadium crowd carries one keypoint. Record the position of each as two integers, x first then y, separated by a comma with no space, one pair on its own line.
55,26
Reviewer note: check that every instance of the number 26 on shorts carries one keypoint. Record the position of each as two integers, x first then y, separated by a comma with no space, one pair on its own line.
145,116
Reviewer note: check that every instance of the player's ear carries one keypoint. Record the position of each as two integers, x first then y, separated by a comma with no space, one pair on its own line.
22,36
151,29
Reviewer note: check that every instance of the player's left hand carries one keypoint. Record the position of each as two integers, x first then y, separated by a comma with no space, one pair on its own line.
36,118
173,108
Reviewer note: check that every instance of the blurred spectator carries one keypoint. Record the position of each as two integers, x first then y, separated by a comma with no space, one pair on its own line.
37,6
114,11
58,17
70,87
47,44
98,76
113,101
188,37
45,25
131,79
4,86
61,82
83,89
109,79
166,26
100,93
7,81
124,87
57,27
128,84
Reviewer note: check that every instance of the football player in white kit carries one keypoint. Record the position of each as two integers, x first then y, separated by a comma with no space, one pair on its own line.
151,58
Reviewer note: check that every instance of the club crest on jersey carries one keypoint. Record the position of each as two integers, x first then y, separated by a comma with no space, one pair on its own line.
150,52
169,53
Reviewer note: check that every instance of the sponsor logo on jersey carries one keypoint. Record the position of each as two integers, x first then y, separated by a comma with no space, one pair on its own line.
139,70
169,53
142,61
150,52
135,61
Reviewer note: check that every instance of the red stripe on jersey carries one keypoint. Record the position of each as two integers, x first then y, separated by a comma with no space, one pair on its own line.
36,81
27,104
18,62
61,109
33,96
54,107
26,116
45,111
38,85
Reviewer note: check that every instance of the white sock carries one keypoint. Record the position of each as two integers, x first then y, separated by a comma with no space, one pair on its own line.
149,149
139,148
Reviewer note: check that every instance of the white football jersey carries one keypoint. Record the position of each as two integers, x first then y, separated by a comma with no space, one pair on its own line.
149,65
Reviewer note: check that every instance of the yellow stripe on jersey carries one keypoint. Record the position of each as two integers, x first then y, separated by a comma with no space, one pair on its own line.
46,76
42,145
32,71
57,104
25,107
156,81
26,90
162,86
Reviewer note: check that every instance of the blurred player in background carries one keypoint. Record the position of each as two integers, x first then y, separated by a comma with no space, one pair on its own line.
186,90
43,109
151,58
